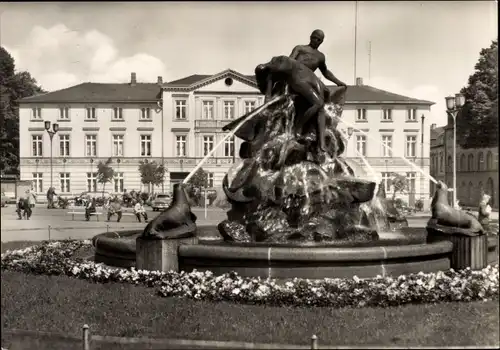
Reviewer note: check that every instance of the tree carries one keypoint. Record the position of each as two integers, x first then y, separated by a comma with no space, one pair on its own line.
399,183
151,173
105,173
13,86
199,180
477,122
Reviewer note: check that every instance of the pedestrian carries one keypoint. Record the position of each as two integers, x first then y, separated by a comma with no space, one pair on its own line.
115,207
20,208
51,192
140,211
31,197
89,209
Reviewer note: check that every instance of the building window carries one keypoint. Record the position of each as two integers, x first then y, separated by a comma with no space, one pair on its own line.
118,182
489,161
411,114
146,145
411,146
92,182
208,110
387,145
64,145
180,145
118,113
228,109
37,142
480,161
118,145
441,162
361,114
361,144
249,106
208,144
210,180
462,163
470,163
229,147
36,113
450,164
181,109
90,113
37,182
386,180
64,113
65,182
387,114
411,178
91,145
146,113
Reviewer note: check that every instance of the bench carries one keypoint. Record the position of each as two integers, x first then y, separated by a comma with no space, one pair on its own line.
73,213
96,214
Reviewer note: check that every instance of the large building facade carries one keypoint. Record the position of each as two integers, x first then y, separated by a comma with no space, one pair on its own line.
477,168
180,122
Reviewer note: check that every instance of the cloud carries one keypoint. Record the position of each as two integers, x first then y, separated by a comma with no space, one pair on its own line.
59,57
424,92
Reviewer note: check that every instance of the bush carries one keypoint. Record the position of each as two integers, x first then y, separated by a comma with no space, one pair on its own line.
419,205
55,258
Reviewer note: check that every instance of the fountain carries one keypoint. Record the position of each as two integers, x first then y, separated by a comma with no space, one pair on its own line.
297,207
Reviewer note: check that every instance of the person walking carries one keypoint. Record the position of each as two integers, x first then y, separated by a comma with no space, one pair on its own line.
31,198
50,197
89,209
140,211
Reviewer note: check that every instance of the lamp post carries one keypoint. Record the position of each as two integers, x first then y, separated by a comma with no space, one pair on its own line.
91,187
453,106
118,161
422,158
55,128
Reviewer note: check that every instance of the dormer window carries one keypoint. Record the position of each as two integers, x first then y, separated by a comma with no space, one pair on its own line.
146,113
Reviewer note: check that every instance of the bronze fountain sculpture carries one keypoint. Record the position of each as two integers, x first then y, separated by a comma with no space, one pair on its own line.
292,185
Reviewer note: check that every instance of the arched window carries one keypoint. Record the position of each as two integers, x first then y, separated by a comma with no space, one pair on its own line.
480,161
470,163
462,163
480,191
490,189
470,190
462,193
449,164
489,161
441,162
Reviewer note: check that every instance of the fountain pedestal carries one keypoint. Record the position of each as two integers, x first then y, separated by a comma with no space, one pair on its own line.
160,254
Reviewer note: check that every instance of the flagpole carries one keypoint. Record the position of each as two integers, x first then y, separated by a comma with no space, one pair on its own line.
355,39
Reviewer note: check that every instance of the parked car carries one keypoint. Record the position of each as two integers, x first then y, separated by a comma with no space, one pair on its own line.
161,201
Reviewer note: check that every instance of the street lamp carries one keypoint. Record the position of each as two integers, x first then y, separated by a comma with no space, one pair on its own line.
453,106
55,129
350,131
91,186
422,179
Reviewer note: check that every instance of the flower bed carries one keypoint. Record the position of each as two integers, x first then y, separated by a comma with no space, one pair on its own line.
57,258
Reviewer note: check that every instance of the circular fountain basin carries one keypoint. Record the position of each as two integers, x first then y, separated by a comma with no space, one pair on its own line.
395,253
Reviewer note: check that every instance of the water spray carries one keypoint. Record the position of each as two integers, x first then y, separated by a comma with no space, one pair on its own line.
429,177
231,133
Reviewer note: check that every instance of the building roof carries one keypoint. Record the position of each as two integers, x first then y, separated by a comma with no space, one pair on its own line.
355,93
435,132
150,92
100,93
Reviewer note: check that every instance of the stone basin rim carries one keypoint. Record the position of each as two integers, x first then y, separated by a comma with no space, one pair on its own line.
226,252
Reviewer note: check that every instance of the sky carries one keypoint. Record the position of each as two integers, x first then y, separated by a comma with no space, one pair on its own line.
421,49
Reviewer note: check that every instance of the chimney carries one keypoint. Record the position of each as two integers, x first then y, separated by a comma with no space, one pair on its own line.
133,78
359,81
433,126
160,80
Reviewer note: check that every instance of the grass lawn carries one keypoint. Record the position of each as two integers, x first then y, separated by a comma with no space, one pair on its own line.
62,305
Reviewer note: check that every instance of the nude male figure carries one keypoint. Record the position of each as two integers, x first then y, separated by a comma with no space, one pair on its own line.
311,57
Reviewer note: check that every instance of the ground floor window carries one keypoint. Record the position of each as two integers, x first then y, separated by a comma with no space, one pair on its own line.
92,182
37,183
118,182
64,179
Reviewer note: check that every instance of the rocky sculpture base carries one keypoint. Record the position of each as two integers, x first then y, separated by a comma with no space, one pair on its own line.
286,189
